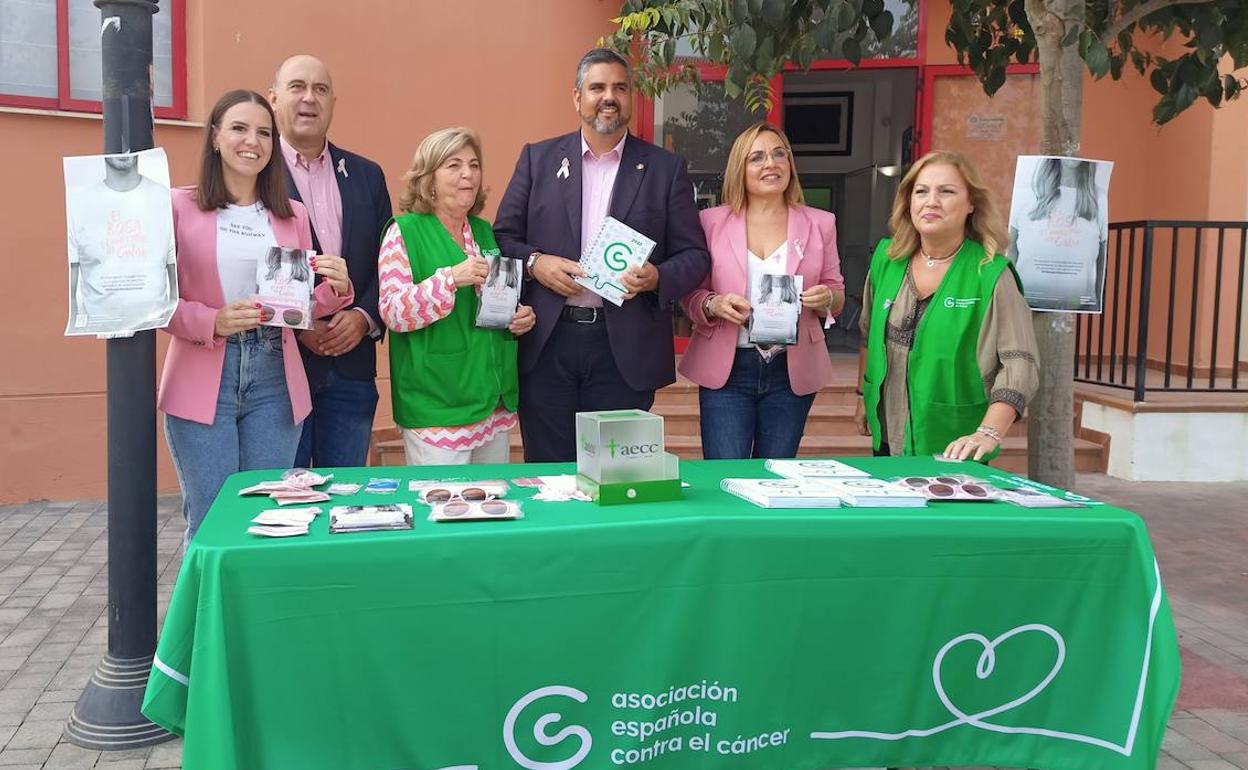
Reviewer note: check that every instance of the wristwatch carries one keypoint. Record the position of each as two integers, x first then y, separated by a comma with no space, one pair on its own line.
528,263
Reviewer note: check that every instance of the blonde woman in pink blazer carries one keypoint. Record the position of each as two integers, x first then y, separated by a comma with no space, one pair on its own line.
754,399
234,392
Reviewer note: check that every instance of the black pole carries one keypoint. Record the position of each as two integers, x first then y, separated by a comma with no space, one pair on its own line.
107,714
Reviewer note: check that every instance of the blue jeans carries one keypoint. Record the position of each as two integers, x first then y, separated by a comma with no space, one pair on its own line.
254,428
756,413
338,431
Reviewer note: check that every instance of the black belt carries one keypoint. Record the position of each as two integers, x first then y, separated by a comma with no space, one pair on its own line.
581,315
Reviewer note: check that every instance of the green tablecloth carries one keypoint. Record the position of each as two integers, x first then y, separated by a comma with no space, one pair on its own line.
706,633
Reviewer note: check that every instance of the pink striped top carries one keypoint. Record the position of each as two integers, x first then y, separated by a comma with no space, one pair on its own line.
406,306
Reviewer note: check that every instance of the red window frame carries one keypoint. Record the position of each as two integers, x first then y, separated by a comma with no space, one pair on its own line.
928,97
176,111
717,73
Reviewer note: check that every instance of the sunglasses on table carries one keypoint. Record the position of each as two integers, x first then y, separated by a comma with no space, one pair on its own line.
950,487
455,509
465,495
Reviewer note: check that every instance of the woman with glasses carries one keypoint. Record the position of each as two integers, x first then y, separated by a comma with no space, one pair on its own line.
754,398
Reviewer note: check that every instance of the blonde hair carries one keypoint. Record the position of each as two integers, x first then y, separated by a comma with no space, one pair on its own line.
984,224
734,175
417,196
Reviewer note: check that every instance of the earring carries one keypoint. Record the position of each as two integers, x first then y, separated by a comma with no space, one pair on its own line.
216,150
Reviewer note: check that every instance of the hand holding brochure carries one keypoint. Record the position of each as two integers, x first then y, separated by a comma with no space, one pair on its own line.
775,306
614,249
500,294
284,288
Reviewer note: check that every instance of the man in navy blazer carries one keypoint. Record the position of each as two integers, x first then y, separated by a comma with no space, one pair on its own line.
584,354
349,206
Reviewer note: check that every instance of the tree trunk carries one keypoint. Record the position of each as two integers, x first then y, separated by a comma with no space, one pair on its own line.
1050,427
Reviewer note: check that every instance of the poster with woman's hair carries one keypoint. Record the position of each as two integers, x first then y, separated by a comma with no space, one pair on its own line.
1059,231
284,288
775,304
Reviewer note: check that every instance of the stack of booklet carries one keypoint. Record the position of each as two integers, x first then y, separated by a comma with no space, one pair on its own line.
814,469
782,493
873,493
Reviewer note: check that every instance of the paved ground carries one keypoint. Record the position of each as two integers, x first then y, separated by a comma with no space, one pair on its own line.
53,592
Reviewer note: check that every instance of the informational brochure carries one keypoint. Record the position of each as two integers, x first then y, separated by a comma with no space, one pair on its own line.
123,274
500,294
284,288
369,518
1059,231
783,493
814,469
776,304
613,250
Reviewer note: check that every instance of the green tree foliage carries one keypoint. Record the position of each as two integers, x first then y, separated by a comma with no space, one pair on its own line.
755,39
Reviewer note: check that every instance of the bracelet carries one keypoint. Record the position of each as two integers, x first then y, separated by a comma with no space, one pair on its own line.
706,305
990,432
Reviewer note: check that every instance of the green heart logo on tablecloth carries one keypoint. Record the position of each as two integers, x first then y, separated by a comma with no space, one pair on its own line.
987,663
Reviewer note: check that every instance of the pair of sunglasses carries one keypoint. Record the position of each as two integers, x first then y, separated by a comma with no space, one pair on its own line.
490,507
946,486
290,317
467,494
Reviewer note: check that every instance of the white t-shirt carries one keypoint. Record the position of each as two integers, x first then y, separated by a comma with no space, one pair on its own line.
1057,255
774,264
244,236
122,243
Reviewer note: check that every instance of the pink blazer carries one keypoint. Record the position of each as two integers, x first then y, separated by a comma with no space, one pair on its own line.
812,255
192,374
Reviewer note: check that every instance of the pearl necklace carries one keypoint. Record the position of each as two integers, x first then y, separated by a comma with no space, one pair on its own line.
933,261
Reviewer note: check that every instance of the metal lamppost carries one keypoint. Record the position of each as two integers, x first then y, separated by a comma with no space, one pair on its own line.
107,714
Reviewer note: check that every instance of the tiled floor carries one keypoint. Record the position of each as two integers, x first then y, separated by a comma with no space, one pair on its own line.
53,592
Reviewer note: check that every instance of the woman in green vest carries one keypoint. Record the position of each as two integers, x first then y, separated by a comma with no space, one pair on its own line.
950,356
452,383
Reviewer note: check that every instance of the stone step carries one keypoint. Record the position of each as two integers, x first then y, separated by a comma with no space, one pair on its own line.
685,393
684,419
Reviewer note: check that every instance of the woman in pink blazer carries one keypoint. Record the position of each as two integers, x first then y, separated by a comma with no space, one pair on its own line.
755,395
233,391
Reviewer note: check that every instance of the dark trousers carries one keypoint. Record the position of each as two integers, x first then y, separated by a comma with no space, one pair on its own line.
574,373
756,413
338,431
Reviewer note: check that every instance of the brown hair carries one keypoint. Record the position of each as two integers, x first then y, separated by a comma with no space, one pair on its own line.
271,182
984,224
417,196
734,175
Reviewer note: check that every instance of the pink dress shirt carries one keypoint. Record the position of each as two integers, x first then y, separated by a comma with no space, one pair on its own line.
318,189
597,182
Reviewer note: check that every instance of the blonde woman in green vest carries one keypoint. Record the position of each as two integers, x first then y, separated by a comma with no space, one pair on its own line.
950,356
452,385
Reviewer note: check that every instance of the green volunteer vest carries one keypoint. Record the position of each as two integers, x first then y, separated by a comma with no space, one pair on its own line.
450,373
947,398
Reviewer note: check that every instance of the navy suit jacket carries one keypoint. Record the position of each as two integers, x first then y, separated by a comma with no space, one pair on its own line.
365,213
653,195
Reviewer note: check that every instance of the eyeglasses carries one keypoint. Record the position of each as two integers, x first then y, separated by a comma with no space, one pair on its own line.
459,508
467,494
758,158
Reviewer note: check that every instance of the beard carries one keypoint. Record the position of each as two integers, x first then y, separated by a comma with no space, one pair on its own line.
604,125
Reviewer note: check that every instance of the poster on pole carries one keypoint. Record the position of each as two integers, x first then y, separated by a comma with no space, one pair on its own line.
1059,231
119,222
